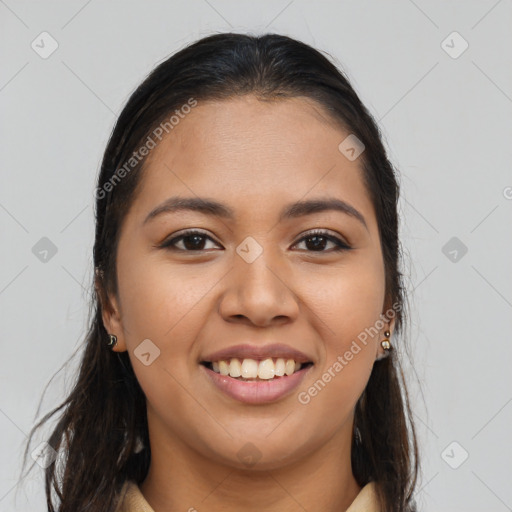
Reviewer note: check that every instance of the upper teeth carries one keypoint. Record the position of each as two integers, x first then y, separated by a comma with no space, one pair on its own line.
250,368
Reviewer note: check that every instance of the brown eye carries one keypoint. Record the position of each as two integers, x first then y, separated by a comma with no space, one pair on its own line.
318,239
192,241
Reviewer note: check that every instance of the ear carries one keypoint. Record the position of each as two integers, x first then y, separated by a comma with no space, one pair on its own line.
110,314
388,317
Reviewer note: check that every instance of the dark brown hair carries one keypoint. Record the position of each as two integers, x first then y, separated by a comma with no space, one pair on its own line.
103,423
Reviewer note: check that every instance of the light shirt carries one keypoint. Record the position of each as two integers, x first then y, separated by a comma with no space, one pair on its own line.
134,501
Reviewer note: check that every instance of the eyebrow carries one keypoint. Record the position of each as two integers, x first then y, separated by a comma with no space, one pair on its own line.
291,211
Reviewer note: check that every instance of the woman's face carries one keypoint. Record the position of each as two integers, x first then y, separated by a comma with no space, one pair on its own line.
249,281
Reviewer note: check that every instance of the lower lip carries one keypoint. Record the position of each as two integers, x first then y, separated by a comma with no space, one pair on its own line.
256,392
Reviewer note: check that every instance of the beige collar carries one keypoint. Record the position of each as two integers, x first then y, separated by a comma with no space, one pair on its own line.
134,501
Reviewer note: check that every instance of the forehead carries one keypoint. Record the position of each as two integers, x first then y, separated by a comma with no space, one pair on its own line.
246,151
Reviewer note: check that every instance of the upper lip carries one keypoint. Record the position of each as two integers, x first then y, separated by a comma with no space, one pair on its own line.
258,352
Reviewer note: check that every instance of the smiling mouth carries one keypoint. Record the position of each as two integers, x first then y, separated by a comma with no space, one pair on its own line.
252,370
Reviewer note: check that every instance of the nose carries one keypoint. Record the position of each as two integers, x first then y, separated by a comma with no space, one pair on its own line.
259,293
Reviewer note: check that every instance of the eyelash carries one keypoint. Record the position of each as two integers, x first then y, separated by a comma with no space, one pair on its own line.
340,245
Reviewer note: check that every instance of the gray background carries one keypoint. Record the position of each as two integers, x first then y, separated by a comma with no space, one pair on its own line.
446,120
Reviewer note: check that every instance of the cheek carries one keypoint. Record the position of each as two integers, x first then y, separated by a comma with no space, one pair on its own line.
348,314
332,396
349,307
348,298
158,300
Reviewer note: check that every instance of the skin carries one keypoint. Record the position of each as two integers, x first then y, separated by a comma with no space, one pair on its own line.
255,157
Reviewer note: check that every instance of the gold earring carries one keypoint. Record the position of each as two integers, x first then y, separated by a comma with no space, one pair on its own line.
112,340
386,345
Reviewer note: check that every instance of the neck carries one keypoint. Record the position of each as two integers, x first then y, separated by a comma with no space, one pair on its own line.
180,478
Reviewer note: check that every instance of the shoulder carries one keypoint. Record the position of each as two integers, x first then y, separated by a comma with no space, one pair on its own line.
366,500
132,500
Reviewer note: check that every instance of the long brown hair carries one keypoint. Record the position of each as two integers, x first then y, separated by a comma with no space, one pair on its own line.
102,435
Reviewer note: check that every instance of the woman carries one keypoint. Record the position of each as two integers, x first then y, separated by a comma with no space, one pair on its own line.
242,351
